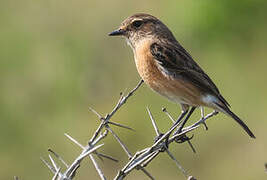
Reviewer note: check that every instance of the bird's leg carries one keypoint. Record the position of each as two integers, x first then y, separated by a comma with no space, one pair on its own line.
202,117
185,120
184,137
184,112
180,118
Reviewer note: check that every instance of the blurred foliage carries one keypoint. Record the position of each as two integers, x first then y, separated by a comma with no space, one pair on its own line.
56,60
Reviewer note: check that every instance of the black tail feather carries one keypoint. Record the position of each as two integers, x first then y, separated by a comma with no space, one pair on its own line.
237,119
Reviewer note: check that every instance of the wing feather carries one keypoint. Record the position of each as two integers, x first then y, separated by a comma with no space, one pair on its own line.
177,62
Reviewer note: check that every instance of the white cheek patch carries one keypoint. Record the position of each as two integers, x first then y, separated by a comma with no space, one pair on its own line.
209,99
129,42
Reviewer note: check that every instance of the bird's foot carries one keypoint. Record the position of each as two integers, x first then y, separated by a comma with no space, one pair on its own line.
164,144
183,139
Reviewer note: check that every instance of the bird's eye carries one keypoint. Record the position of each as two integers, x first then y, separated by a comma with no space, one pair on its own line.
137,23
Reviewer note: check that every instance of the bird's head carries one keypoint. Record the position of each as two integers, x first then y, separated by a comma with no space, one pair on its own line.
141,26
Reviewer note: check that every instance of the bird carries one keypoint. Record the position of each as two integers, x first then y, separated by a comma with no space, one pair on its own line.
168,69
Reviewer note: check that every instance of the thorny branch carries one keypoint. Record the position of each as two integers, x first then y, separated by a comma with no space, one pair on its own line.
138,161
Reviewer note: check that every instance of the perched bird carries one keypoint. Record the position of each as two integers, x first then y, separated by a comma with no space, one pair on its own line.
167,68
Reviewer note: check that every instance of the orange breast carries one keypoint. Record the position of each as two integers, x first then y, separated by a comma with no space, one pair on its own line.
174,89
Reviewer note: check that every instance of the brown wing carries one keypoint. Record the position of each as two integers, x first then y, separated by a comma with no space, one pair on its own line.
176,62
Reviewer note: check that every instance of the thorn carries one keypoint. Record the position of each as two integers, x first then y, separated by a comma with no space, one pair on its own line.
53,162
153,122
177,163
96,113
56,174
99,156
51,168
206,127
57,156
167,113
108,157
90,151
192,147
121,125
73,140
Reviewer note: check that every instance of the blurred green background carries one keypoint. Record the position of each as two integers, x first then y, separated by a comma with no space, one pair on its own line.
56,60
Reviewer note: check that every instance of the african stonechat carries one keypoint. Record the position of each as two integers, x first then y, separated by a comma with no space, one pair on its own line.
167,68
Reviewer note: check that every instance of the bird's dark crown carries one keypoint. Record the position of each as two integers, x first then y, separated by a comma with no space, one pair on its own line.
140,26
140,17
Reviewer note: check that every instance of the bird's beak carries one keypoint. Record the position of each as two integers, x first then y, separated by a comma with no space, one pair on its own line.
118,32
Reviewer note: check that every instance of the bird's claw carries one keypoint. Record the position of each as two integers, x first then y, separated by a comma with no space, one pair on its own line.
183,139
164,144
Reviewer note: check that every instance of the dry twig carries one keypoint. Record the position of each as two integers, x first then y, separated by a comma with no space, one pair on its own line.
139,160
